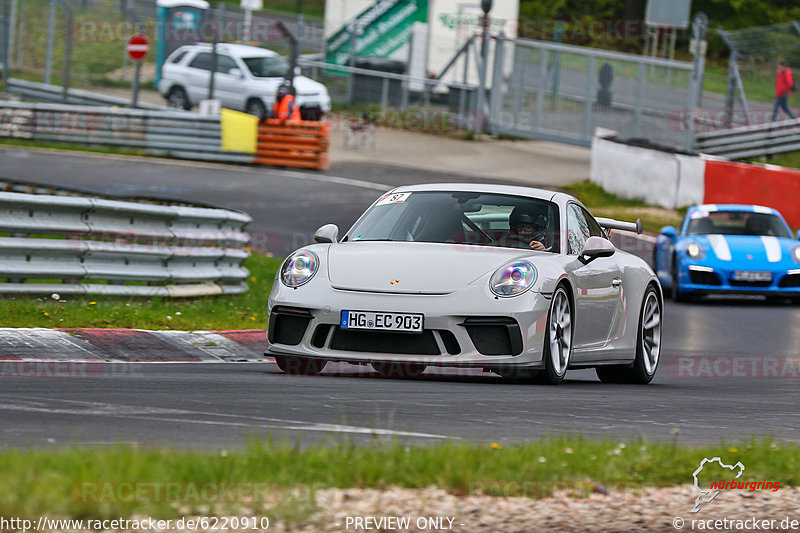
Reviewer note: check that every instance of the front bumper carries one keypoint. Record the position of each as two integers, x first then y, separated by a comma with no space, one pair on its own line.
460,330
696,278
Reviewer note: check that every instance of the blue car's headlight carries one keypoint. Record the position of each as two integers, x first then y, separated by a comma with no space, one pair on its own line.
796,254
299,268
696,251
513,279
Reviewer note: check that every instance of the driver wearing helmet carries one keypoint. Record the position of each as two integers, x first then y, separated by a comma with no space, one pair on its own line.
528,228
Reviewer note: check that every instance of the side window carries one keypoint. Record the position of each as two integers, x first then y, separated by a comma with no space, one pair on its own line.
578,231
225,63
594,228
179,56
201,61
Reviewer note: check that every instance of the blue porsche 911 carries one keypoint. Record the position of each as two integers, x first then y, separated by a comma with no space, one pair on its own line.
734,249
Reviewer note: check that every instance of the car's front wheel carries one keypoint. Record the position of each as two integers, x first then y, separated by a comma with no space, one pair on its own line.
675,293
300,366
399,369
177,98
256,107
558,342
648,346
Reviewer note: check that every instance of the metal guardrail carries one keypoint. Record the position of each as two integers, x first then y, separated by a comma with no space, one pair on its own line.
43,92
751,141
90,246
164,132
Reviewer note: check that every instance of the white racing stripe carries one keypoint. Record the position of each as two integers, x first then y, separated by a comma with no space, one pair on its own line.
720,247
773,248
762,209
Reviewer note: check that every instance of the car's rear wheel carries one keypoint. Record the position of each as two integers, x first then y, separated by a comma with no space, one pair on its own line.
300,366
177,98
558,342
648,346
398,369
256,107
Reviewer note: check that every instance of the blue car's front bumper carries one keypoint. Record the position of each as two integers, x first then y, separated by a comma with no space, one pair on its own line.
696,278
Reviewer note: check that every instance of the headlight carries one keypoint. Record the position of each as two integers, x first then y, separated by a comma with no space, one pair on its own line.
513,279
695,251
299,268
796,254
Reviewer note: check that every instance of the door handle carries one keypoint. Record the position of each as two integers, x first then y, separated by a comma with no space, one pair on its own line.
616,282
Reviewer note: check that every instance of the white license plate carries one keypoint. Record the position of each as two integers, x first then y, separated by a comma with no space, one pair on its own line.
407,322
749,275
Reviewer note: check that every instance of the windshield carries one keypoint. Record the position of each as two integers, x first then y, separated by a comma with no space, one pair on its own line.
460,218
737,223
267,67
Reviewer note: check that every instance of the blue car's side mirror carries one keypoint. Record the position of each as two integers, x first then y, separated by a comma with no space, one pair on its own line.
669,231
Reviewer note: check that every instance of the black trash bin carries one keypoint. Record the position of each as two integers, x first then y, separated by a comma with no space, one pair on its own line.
368,89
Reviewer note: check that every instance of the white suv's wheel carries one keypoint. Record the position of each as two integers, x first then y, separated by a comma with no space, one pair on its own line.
177,98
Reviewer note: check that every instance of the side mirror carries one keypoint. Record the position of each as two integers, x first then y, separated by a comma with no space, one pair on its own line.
327,233
798,234
596,247
669,231
236,72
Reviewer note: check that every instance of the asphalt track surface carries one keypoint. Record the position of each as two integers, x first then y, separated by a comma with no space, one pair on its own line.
730,368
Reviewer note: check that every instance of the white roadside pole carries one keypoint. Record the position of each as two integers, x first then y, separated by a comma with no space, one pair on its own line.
249,6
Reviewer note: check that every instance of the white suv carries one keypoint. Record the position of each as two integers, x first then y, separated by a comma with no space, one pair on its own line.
246,79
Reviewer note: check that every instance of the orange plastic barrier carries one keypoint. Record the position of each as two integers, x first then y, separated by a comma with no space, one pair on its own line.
294,144
742,183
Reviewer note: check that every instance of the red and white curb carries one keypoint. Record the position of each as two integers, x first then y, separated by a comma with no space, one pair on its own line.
130,345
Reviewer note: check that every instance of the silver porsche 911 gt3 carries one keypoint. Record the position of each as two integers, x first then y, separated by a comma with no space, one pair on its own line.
519,281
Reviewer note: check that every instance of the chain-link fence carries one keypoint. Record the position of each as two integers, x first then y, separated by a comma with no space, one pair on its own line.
83,41
564,92
755,54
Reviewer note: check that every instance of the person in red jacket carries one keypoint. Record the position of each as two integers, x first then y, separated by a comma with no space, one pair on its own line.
784,85
284,107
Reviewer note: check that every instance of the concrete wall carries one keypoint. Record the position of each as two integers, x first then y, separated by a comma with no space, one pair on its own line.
660,178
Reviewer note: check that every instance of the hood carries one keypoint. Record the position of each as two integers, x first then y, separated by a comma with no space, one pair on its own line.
749,249
418,268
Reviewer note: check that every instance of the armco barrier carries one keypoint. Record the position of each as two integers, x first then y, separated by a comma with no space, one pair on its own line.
676,180
300,144
165,133
82,245
740,183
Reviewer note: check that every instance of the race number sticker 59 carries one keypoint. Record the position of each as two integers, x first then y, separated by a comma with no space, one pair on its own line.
395,198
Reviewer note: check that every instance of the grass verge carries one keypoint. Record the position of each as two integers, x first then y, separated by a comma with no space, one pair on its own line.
65,483
604,204
243,311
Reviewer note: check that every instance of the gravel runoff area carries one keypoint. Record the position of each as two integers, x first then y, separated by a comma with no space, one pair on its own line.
603,510
596,509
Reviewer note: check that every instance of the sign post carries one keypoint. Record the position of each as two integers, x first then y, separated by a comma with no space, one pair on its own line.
137,48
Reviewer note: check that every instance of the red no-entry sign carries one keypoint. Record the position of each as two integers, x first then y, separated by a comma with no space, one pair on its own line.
137,47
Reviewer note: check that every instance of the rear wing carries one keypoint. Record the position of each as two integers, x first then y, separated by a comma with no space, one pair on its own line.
610,223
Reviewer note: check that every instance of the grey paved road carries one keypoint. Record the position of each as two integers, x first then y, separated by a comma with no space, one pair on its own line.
709,385
210,405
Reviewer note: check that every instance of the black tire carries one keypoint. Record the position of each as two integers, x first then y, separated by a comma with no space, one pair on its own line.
557,323
399,369
256,107
300,366
676,295
648,346
177,98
